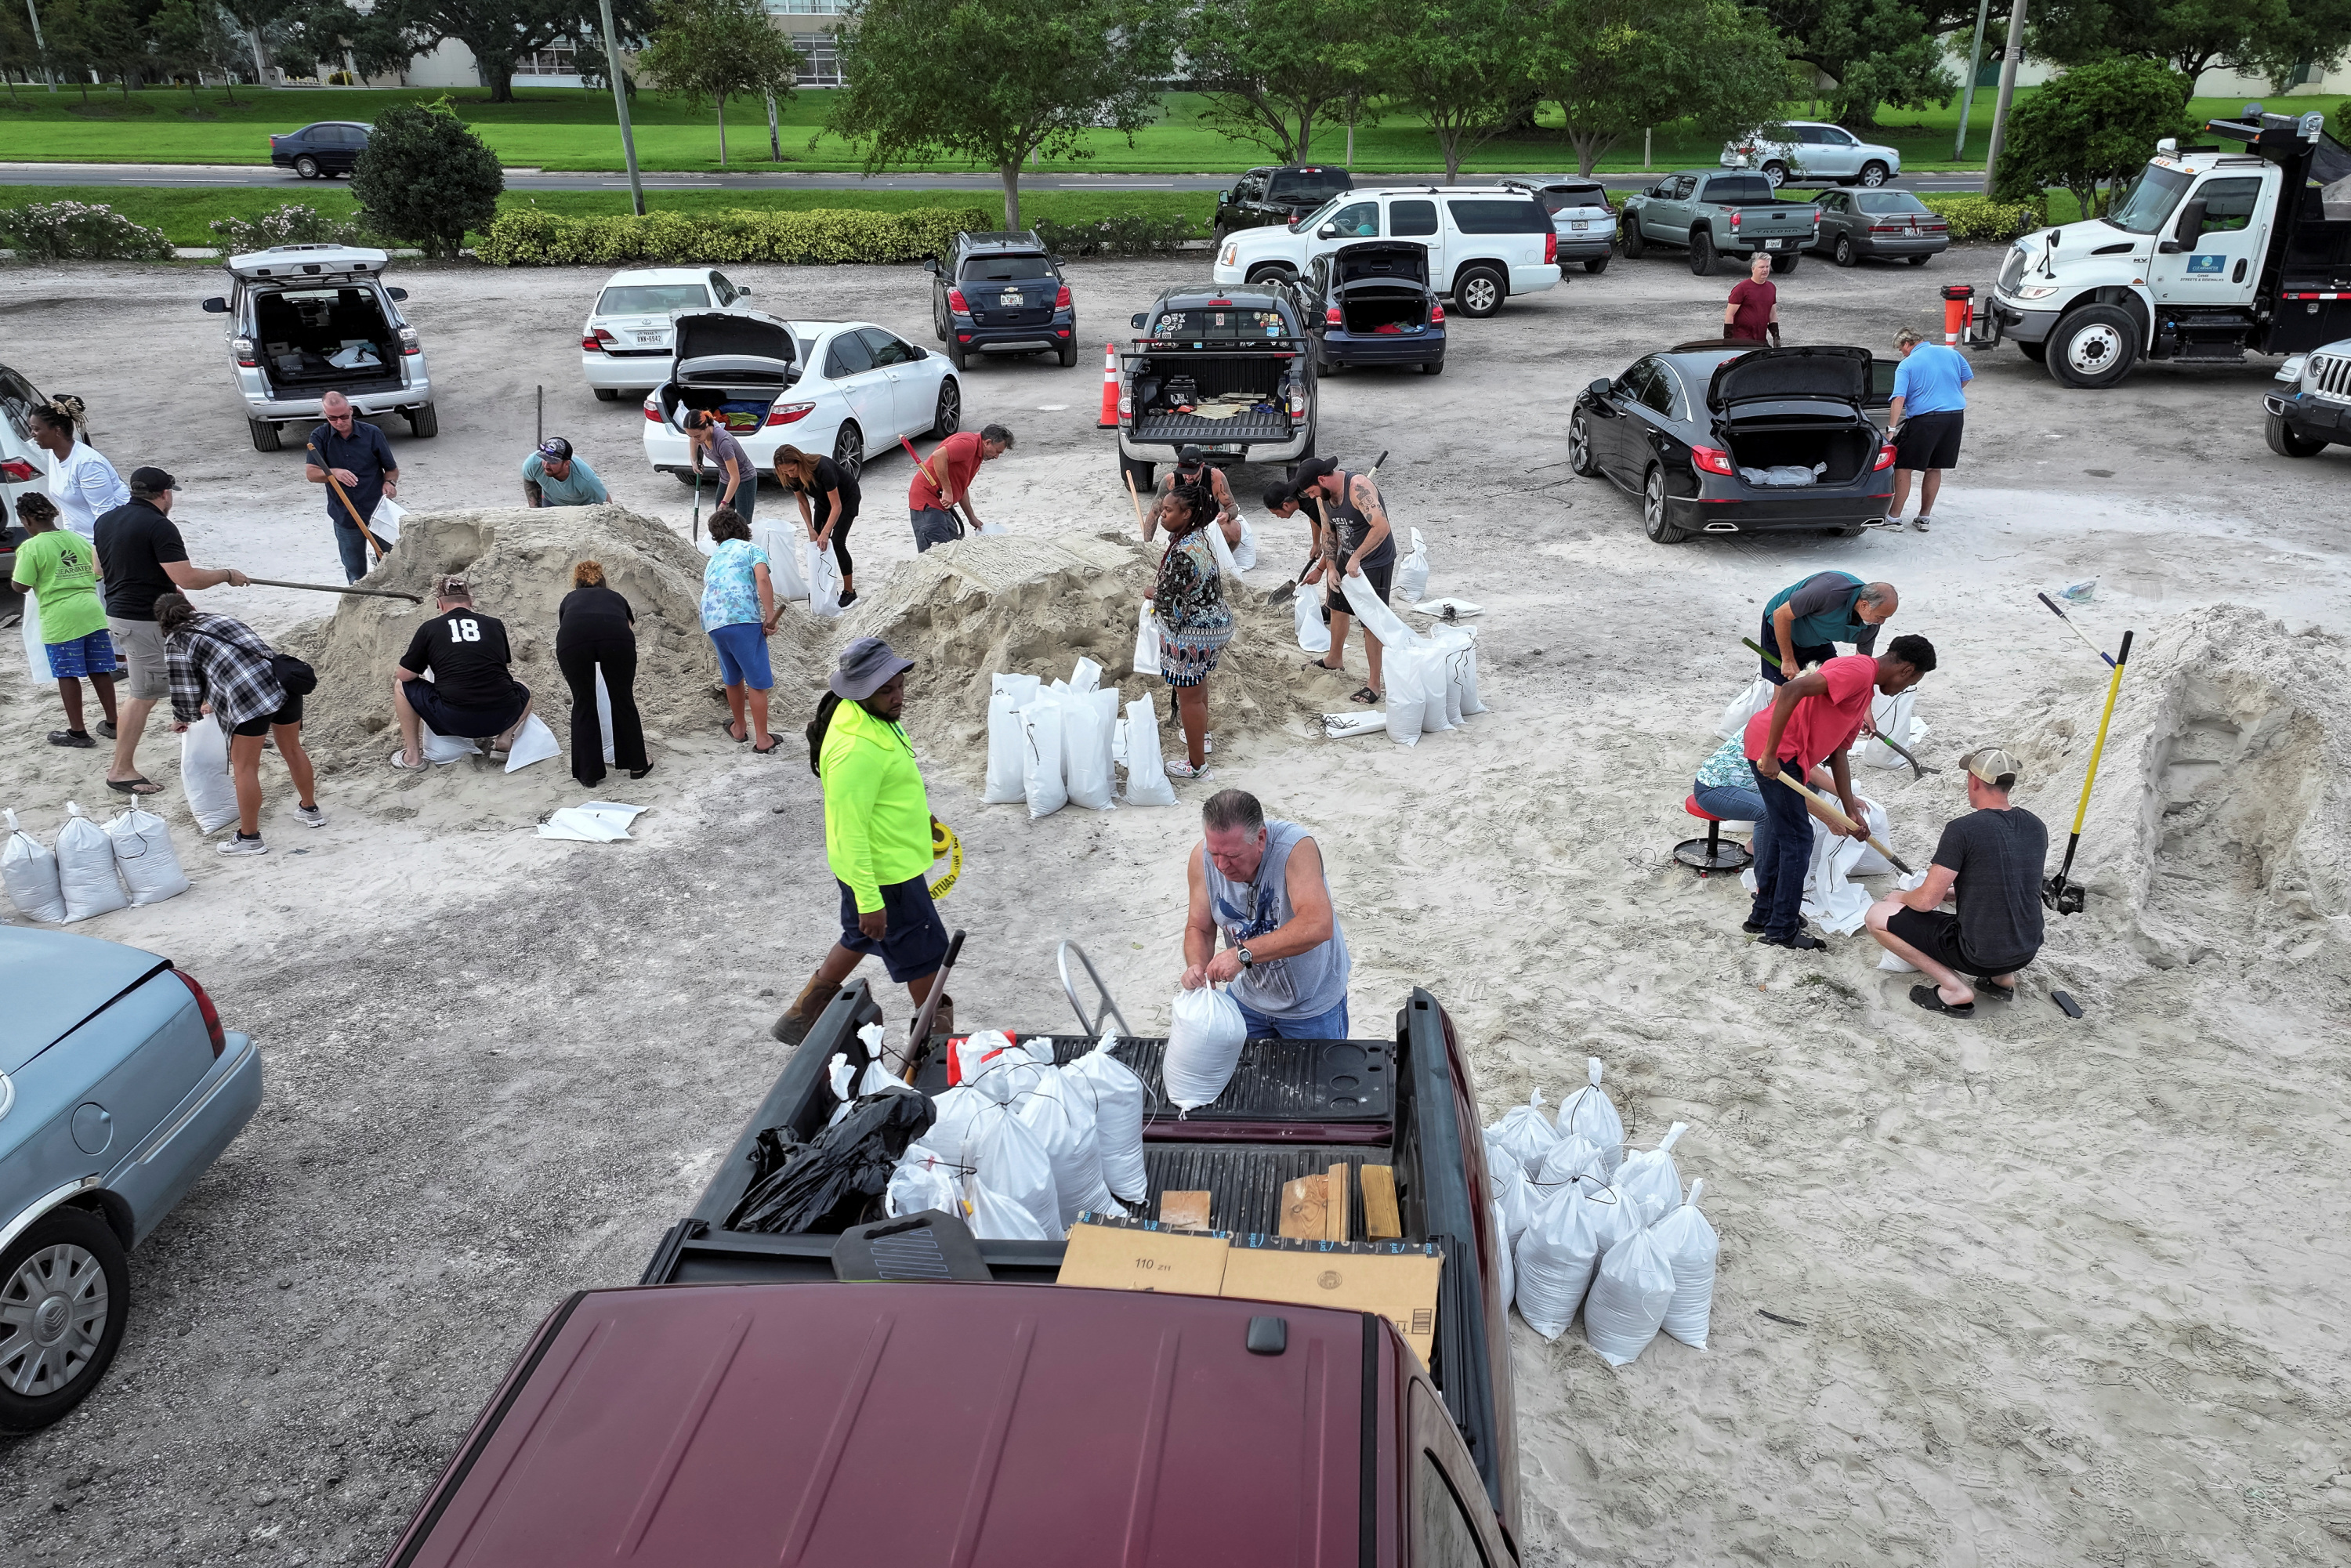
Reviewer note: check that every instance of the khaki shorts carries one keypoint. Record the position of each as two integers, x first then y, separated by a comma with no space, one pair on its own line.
139,645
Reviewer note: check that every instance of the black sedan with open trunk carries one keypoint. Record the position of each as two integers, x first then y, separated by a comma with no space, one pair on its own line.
1728,438
1370,304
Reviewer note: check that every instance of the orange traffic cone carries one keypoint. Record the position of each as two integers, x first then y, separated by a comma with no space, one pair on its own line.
1109,420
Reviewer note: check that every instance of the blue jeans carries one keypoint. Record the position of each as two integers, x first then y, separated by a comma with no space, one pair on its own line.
1331,1024
1730,802
1783,854
352,546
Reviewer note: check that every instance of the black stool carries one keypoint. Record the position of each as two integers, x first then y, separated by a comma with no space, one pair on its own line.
1713,853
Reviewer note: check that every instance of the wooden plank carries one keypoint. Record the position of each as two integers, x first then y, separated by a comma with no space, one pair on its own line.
1187,1210
1335,1210
1382,1221
1304,1203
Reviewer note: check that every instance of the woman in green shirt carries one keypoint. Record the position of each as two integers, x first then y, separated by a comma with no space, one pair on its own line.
60,568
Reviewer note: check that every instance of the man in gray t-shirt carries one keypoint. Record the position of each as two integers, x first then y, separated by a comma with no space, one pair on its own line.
1989,862
1258,883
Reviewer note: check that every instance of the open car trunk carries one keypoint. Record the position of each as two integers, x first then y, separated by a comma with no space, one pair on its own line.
312,338
1828,450
733,363
1370,308
1211,397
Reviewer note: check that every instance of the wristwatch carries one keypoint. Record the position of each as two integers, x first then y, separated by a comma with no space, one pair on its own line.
1243,955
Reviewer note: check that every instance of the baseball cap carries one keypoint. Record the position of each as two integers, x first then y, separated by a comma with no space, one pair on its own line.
557,448
1992,764
151,481
866,666
1191,457
1311,470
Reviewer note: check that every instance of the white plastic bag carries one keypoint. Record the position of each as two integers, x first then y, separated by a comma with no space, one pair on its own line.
1647,1177
1573,1155
536,743
86,868
1412,572
1205,1038
1117,1098
1147,783
1245,552
1063,1120
37,652
1572,1229
1007,744
1086,719
1506,1184
1146,644
203,776
823,580
143,856
1505,1271
1085,675
1006,1156
1592,1115
30,871
920,1182
1408,696
1744,706
1306,608
1041,759
780,542
1215,535
1378,619
1692,1249
1526,1131
1628,1300
997,1217
604,715
439,749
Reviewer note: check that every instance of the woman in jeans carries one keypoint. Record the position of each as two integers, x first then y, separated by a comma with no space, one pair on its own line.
1726,789
837,498
222,667
738,611
595,628
1193,620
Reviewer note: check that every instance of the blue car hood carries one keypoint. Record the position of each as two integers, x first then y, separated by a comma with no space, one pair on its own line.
50,981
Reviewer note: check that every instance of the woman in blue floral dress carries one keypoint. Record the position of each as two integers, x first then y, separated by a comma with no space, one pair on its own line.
1193,620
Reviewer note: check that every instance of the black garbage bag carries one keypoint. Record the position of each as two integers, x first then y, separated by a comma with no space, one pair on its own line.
837,1178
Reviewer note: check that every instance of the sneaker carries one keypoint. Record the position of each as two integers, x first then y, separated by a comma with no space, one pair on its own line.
310,816
241,845
106,729
1752,927
1921,522
848,599
1801,942
1185,770
78,739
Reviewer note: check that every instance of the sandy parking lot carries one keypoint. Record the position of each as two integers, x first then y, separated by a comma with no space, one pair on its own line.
2061,1291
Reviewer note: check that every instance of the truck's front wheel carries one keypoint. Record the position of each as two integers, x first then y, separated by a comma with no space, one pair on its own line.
1636,247
2285,443
2094,347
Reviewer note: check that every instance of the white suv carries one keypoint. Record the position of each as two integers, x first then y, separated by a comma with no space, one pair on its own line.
307,319
1485,243
1814,150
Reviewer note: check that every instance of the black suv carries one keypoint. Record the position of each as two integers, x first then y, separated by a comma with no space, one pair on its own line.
1281,195
1002,294
321,152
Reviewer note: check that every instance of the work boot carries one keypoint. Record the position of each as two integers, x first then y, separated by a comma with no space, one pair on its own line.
798,1019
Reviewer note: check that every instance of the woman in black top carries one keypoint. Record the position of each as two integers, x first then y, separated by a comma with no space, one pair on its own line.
595,626
837,496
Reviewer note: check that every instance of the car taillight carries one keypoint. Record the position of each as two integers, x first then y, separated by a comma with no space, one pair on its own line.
204,1007
1298,400
1061,300
15,470
1712,461
957,303
1886,228
653,413
599,340
408,344
1125,404
1550,248
1734,219
789,413
243,349
1331,317
1885,459
1436,315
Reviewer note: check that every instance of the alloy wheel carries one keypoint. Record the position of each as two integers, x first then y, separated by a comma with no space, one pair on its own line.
52,1318
950,415
849,450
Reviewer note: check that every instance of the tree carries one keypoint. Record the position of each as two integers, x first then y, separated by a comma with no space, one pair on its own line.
424,177
2090,131
1460,65
18,52
1876,52
498,32
114,43
709,49
1272,67
64,27
330,32
1616,66
998,82
2262,38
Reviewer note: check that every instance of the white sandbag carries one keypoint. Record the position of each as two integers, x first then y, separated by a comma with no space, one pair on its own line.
1505,1271
1378,619
823,580
1647,1177
1573,1155
919,1184
1215,534
86,876
1063,1118
536,743
1306,608
439,749
1086,719
780,542
1506,1184
203,776
1040,758
997,1217
1428,663
1147,783
1629,1296
1452,649
1411,582
1006,1156
1245,552
1895,717
1408,696
1205,1037
1086,675
1744,706
1007,744
604,715
1592,1115
37,652
1362,721
1868,862
1526,1131
1692,1248
1572,1229
143,856
1893,963
952,1113
1146,644
30,873
1117,1098
1831,899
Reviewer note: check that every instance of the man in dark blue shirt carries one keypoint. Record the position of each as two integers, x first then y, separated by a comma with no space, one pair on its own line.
355,455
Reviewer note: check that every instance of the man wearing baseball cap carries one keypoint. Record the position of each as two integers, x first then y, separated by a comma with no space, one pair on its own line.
877,835
1990,862
1192,468
551,476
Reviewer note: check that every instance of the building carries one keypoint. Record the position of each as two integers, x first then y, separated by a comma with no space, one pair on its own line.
808,23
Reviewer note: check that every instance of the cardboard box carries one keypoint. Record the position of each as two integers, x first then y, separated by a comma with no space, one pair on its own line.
1145,1257
1396,1279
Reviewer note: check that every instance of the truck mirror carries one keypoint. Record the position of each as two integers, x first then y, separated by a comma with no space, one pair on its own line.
1328,231
397,294
217,305
2188,230
1136,320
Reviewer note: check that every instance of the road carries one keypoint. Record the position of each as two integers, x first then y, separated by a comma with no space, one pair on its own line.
522,179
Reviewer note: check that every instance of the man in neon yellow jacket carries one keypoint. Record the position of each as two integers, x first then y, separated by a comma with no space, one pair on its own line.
877,835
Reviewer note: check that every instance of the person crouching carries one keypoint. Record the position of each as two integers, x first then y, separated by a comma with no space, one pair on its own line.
1989,862
221,667
472,695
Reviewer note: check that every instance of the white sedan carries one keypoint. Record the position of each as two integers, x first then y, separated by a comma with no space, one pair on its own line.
625,346
842,389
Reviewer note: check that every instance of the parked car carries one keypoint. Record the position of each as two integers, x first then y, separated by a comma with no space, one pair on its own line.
118,1088
849,388
1581,216
1485,243
2312,407
1279,194
322,150
1814,150
307,319
1002,293
1370,304
1893,225
1713,215
624,343
1718,438
24,467
1241,354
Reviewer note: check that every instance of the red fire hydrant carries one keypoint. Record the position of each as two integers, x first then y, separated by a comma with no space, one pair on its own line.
1958,311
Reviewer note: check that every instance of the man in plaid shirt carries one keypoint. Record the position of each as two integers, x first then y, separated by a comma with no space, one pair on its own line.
220,667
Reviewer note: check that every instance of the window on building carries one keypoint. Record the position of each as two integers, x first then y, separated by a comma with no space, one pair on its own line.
556,61
819,64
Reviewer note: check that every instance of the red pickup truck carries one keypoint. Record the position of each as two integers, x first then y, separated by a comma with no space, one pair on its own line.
743,1405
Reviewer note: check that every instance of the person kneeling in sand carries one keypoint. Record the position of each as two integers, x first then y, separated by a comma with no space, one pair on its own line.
472,695
1990,862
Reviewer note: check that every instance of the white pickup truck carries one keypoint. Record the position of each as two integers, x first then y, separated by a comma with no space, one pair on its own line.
1485,243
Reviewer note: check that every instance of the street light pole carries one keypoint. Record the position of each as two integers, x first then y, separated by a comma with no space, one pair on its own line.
1968,98
621,103
2009,61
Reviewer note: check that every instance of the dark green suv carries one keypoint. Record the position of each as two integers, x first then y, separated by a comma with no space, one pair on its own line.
1277,196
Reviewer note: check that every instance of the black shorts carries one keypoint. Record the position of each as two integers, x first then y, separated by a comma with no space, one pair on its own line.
1334,597
1929,441
290,714
464,723
1936,933
913,943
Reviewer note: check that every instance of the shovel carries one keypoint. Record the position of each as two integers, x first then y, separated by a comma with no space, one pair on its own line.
1838,819
918,1032
336,588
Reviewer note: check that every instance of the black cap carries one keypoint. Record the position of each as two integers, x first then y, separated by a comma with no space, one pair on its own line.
555,449
1191,457
151,482
1310,470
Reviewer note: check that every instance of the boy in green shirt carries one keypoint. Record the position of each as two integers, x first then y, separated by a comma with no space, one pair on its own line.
61,569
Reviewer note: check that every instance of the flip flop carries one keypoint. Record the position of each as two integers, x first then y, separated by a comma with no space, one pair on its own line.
1984,986
1365,696
419,765
776,743
1318,667
134,786
1932,1000
727,729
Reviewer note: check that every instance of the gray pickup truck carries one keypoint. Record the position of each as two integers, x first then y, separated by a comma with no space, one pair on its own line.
1711,214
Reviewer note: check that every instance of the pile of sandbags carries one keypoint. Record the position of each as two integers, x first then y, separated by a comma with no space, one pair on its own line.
1432,677
1596,1229
1061,745
94,870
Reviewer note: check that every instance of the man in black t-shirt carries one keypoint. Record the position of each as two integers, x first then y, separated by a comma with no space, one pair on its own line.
473,694
1989,862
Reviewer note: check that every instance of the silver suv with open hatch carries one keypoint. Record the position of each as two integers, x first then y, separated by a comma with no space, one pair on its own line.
307,319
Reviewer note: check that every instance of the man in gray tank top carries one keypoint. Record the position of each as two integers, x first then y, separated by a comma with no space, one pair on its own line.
1260,885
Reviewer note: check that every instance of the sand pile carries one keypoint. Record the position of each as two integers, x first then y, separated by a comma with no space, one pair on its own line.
1015,602
2220,828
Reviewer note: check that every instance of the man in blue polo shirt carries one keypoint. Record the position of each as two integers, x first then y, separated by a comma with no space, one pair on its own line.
356,457
1925,420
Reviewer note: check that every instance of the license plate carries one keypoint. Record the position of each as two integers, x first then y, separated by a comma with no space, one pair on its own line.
1578,224
1011,300
646,337
1775,244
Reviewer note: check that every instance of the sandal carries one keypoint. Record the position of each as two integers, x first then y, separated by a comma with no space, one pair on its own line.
727,729
1985,986
1320,668
1366,697
419,765
774,743
1930,999
140,786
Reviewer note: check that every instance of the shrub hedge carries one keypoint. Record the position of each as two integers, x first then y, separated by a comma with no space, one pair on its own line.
529,237
78,231
296,223
1132,233
1981,218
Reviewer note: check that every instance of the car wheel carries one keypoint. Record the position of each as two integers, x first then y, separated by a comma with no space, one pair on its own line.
1271,272
1217,237
1141,472
1432,366
1579,447
2094,346
684,477
1920,260
265,434
1785,262
958,356
1701,252
849,446
608,394
1845,255
2037,352
946,414
65,1296
1480,292
1654,519
2285,443
1776,173
423,421
1596,264
1635,248
1069,354
1873,174
307,166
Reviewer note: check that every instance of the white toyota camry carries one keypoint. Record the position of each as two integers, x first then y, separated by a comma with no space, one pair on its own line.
624,343
845,389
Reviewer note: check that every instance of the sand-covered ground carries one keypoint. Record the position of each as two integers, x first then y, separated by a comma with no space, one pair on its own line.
2042,1290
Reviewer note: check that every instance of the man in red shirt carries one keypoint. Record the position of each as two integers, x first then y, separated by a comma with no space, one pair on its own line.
1754,308
1814,718
943,482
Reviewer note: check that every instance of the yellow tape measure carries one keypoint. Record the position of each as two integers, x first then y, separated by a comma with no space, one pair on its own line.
946,846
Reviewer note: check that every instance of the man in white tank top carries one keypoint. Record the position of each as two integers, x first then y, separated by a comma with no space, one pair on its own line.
1259,886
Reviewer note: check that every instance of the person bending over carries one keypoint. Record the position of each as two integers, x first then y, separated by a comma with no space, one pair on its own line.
472,695
221,667
552,477
1805,621
1260,884
1989,862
